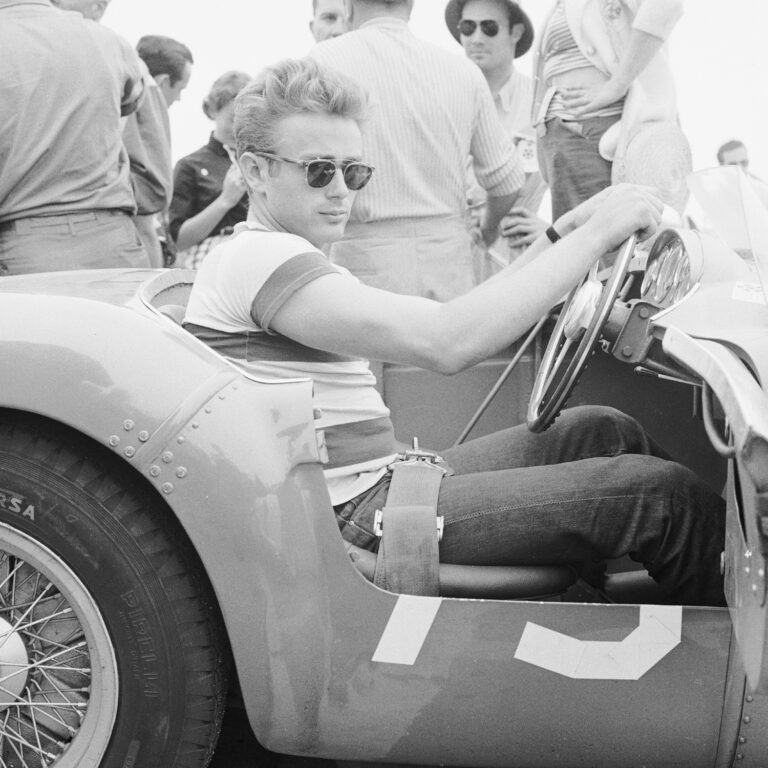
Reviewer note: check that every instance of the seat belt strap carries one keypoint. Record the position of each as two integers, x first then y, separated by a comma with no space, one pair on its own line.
408,555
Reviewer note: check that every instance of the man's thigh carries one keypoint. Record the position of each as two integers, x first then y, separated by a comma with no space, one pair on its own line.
578,433
593,509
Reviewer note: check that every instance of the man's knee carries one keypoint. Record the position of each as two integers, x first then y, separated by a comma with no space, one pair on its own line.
607,430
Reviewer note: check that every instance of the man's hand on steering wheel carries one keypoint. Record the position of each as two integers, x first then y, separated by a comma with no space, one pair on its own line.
614,217
616,213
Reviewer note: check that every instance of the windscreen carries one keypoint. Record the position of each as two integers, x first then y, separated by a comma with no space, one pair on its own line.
728,203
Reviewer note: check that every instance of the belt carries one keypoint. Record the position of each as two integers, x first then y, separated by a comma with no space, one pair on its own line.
25,224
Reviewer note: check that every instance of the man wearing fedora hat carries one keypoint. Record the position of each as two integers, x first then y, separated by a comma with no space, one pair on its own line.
409,231
493,34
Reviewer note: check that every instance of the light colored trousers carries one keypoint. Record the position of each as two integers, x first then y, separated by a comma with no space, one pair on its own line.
430,257
86,240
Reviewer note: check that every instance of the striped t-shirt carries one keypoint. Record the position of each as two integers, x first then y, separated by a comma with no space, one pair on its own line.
562,54
238,289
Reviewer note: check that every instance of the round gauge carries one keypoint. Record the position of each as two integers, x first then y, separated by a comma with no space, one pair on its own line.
668,262
650,277
681,280
668,272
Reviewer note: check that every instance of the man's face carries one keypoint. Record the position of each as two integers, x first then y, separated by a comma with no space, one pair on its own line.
490,52
331,19
736,156
316,214
90,9
172,91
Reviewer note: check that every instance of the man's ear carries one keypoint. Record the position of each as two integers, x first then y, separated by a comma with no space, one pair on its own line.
255,170
517,32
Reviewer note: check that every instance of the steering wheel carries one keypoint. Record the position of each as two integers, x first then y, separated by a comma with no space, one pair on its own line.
576,332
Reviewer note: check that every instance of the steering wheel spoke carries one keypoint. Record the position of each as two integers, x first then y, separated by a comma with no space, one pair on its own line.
561,357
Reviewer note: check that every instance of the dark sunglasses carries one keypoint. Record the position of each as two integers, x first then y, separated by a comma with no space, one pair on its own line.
318,173
489,27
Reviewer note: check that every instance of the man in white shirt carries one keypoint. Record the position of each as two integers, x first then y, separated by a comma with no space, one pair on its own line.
493,34
409,231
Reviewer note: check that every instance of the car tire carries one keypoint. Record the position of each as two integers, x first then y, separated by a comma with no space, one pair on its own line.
111,648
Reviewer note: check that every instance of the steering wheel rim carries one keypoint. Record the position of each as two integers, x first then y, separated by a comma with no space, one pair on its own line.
544,409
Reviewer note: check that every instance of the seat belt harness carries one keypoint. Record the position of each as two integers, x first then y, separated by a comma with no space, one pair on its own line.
409,527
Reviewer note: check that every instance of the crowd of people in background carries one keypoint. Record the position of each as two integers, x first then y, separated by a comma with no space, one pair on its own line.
459,184
432,193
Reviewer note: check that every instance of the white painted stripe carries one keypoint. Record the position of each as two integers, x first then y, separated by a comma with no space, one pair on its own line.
406,630
658,632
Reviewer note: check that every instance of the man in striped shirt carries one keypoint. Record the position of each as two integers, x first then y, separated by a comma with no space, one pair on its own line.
409,233
593,486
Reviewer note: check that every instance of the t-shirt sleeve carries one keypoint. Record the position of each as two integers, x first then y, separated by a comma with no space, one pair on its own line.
244,281
284,281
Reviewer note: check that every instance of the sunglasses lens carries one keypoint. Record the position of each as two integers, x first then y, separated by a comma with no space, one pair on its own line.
357,175
489,27
320,173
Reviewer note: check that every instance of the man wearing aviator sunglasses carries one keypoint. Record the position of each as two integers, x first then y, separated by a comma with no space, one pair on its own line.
493,34
270,301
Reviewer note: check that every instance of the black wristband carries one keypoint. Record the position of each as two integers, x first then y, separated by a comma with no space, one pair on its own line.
552,234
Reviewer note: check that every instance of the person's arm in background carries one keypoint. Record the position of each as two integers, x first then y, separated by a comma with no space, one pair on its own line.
651,27
521,226
133,83
196,228
497,167
582,100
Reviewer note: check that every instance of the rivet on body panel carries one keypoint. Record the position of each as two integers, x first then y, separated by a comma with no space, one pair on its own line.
154,470
181,472
114,441
167,457
128,425
130,451
167,487
143,435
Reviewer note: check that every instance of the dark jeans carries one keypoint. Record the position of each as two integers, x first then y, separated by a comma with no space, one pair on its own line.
570,162
592,487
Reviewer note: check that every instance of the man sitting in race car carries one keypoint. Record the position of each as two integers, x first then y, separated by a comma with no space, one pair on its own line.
594,486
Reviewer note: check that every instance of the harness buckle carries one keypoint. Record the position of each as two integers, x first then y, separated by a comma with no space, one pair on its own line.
378,524
416,455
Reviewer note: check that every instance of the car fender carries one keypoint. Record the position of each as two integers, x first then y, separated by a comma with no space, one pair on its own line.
228,454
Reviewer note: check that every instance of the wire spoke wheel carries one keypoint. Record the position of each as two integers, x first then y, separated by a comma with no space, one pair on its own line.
58,674
573,340
112,650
